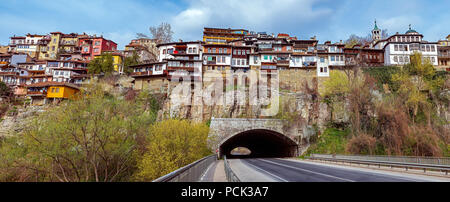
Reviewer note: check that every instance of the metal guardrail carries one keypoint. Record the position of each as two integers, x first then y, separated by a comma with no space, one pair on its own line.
425,163
190,173
231,176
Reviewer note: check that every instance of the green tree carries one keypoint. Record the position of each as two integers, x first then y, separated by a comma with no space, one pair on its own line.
335,89
130,61
172,144
102,64
94,138
5,90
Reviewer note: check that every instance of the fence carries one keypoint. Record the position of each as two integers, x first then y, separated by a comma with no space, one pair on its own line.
231,176
190,173
430,163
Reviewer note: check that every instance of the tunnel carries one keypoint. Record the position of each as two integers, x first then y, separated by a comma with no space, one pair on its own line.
261,143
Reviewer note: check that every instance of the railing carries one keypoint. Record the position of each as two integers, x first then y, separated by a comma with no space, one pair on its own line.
146,73
231,176
430,163
190,173
444,55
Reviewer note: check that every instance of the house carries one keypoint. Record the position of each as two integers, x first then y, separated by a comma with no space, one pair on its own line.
399,47
43,93
217,57
92,46
151,76
222,36
142,47
184,59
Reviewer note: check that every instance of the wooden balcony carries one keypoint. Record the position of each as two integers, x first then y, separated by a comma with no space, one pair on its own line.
146,73
189,69
36,93
445,56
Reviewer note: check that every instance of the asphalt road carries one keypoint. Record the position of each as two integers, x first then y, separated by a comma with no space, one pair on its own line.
297,171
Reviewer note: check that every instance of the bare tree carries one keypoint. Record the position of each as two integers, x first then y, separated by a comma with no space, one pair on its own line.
163,33
148,52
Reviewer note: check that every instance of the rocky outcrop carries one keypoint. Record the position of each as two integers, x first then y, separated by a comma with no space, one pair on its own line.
13,123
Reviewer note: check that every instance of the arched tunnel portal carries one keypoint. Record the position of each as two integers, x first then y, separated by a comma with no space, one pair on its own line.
262,144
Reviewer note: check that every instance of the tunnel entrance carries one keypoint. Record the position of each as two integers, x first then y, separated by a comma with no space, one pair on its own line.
261,143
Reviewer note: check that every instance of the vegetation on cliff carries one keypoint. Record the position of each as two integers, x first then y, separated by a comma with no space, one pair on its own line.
392,110
99,137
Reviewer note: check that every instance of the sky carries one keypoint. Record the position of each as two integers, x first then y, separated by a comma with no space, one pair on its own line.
120,20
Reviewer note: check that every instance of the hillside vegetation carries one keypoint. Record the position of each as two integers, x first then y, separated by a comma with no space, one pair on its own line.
392,111
101,137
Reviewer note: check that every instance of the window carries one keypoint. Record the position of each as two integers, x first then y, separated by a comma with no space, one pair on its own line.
396,47
333,58
428,48
209,50
342,58
235,52
194,50
56,90
266,57
322,59
248,52
220,50
325,69
239,52
433,48
214,50
225,50
401,59
255,58
395,59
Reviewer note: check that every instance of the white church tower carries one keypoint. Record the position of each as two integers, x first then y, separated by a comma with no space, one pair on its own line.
376,33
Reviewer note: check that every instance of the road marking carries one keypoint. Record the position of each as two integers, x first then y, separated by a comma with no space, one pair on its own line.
264,171
369,171
307,171
204,174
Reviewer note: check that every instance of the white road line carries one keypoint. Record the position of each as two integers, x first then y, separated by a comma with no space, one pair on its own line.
264,171
307,171
204,174
366,170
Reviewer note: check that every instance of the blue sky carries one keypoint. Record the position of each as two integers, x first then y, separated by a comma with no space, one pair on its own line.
120,20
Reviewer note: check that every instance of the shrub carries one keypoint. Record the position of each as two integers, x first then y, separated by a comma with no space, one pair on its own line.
361,144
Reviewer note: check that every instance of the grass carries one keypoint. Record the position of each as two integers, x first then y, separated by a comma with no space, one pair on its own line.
332,141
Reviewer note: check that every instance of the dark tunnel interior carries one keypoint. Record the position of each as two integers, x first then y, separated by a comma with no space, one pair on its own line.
261,143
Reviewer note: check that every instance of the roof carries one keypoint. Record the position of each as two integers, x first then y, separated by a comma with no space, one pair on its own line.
53,83
147,64
411,30
179,43
376,27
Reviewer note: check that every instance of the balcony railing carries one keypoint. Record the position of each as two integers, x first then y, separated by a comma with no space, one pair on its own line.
181,68
146,73
36,93
444,55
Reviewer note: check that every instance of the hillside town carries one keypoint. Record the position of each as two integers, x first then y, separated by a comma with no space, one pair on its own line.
54,66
